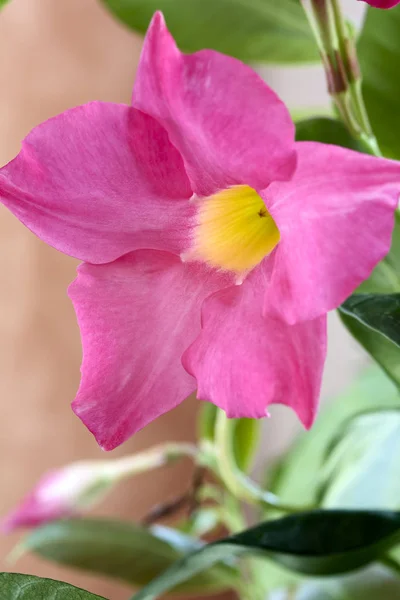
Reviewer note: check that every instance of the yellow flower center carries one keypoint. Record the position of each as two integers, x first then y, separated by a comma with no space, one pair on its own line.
234,230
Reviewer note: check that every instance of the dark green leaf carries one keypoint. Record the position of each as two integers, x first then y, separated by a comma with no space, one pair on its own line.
379,53
254,30
362,467
383,351
298,479
315,543
385,279
122,551
380,312
14,586
326,130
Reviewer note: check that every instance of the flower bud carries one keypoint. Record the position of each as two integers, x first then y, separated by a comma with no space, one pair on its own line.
61,493
72,489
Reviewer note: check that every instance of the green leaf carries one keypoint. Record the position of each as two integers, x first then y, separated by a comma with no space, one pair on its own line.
298,478
251,30
383,351
385,279
3,2
271,576
376,583
14,586
326,130
380,312
362,468
379,54
122,551
315,543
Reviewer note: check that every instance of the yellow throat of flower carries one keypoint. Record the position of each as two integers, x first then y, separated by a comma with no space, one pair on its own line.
234,230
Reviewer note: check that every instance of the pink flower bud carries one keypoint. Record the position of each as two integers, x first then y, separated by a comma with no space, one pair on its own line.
60,493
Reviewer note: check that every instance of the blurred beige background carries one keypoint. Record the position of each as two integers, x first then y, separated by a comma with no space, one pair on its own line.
55,55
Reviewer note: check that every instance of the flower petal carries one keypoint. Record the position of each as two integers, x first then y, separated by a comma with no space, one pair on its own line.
243,362
336,218
382,3
98,181
229,126
137,315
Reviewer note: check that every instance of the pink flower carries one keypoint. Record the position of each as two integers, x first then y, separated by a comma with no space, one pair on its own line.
61,493
382,3
197,201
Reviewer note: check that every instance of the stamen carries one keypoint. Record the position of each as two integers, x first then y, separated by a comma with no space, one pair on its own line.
234,230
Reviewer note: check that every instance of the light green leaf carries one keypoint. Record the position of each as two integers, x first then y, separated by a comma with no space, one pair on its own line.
122,551
14,586
315,543
298,477
376,583
379,53
251,30
362,468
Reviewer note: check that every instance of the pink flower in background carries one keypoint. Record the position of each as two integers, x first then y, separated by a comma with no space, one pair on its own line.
382,3
60,493
213,244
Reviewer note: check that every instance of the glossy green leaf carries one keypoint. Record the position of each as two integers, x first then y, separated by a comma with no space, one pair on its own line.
122,551
14,586
254,30
382,350
362,468
379,54
380,312
298,478
376,583
315,543
385,279
326,130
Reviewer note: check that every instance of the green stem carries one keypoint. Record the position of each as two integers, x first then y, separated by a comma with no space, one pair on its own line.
164,454
339,56
241,486
348,52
